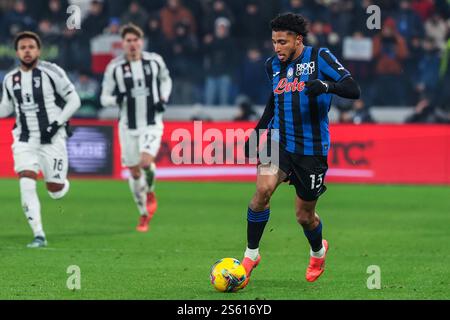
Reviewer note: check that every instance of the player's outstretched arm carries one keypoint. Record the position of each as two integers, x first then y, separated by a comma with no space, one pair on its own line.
165,80
6,106
347,88
73,102
109,97
263,123
267,115
340,81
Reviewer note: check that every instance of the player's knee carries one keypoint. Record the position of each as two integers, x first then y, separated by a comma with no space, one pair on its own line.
57,191
305,217
147,161
135,172
262,196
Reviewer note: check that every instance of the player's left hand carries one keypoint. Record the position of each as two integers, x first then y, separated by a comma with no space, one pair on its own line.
316,87
160,106
50,131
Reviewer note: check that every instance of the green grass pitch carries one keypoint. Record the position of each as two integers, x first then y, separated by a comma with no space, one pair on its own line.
405,230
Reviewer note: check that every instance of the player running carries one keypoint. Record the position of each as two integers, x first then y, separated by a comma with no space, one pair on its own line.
31,90
139,83
303,81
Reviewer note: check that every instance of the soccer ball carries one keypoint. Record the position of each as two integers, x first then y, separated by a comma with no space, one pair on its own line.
227,275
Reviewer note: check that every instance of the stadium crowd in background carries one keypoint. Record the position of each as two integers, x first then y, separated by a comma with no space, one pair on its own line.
216,49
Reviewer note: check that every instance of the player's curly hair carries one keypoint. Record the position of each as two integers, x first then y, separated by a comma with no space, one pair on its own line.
27,35
290,22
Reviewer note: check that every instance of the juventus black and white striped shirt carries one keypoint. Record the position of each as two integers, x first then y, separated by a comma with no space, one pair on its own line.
33,94
143,83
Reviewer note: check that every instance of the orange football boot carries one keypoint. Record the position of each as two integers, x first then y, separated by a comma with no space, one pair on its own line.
316,265
249,265
152,204
143,223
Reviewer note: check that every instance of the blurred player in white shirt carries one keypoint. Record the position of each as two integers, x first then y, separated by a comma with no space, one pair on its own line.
31,90
139,83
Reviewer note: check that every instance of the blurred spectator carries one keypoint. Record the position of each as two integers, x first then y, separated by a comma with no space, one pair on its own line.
389,51
442,6
174,13
88,89
359,21
156,42
113,27
300,7
434,104
411,63
408,21
341,16
246,111
377,59
219,63
360,113
94,24
423,7
253,78
16,20
214,10
428,67
358,55
321,35
56,14
423,112
354,111
51,36
183,64
253,28
135,14
436,28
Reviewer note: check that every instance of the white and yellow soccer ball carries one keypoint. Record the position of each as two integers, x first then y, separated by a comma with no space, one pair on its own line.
227,275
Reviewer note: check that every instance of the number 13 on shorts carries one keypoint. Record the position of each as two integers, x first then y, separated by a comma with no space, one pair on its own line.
316,181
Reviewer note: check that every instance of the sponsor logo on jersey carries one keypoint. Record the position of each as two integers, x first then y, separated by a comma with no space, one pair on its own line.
140,91
37,82
290,72
285,86
17,86
306,68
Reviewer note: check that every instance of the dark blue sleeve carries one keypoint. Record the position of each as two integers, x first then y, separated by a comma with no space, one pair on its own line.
330,67
269,69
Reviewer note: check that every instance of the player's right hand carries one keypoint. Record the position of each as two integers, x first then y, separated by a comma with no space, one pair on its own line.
49,132
119,98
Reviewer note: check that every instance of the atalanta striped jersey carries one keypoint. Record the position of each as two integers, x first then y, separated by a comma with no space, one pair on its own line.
302,121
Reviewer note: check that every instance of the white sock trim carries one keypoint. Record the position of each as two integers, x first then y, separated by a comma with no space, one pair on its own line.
31,205
318,254
138,189
251,253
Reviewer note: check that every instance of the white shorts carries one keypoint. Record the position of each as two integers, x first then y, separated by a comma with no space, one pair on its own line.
135,142
51,159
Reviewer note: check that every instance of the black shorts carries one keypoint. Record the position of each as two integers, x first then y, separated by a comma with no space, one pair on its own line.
306,173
